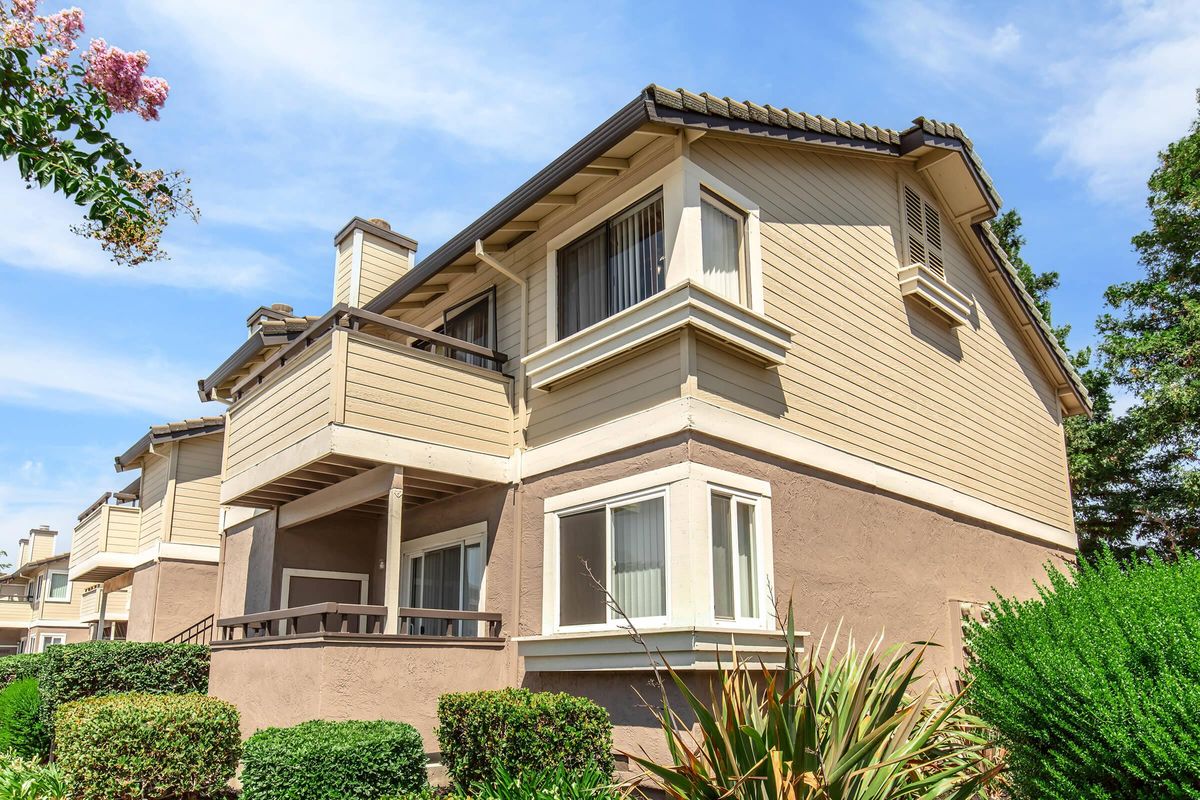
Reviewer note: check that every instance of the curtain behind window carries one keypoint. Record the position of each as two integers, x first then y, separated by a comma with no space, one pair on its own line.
472,324
639,558
721,247
58,586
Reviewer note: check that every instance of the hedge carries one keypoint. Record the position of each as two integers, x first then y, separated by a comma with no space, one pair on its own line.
16,667
124,746
321,760
22,731
519,730
1094,686
83,670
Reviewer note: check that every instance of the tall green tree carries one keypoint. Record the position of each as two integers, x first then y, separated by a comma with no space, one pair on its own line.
1007,228
1151,346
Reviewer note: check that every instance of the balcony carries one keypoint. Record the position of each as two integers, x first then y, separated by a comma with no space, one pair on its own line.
116,606
360,390
16,611
361,622
105,543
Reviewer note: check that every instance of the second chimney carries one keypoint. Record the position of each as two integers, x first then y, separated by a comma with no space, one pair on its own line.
370,257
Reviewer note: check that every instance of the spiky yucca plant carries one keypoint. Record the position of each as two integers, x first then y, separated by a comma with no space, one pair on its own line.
859,725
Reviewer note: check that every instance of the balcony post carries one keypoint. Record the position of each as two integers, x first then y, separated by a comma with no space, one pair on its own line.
392,562
99,634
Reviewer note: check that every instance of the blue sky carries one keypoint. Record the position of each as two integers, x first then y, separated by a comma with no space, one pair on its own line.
292,117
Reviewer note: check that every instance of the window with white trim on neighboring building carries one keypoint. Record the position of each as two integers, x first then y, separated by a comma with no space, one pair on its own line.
59,589
50,640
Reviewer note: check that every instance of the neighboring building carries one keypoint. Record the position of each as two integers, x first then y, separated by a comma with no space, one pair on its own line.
39,605
715,358
154,546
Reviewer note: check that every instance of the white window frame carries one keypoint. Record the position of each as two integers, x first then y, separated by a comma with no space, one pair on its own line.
682,183
762,587
739,216
44,640
49,584
39,587
614,620
475,533
285,588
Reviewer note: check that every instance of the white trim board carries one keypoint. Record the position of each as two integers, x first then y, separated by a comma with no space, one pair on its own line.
694,414
290,572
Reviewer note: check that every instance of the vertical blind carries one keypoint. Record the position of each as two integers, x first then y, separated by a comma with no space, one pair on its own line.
729,516
58,586
722,557
624,546
611,268
639,558
472,324
721,245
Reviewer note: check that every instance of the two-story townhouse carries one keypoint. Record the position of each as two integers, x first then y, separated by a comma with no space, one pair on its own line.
39,605
716,358
153,547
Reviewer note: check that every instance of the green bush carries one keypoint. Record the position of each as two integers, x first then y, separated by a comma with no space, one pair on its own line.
22,665
553,784
119,747
1094,687
518,730
22,731
24,779
321,760
106,667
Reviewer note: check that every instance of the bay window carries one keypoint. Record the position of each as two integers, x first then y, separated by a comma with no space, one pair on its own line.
612,267
735,573
722,248
619,548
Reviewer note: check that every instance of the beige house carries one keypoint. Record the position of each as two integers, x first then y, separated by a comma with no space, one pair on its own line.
153,547
715,358
39,605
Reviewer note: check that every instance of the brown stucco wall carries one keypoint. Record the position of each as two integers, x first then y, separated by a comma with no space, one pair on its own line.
842,553
168,597
247,558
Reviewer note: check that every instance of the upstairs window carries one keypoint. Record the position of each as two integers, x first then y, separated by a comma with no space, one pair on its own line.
616,265
475,322
721,229
923,226
59,588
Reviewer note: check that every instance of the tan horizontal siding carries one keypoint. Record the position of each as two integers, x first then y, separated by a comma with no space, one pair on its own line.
123,529
968,408
290,407
645,380
196,511
86,541
154,491
407,394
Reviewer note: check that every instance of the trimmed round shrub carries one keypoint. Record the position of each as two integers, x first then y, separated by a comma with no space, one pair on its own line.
519,730
22,731
320,760
95,668
21,665
123,746
1094,687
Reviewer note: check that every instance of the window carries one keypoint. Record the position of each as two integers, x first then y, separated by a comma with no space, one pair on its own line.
60,588
50,640
735,567
616,265
721,227
473,321
924,228
446,575
37,588
622,546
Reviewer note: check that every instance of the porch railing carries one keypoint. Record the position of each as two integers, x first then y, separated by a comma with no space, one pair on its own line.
15,593
197,633
352,618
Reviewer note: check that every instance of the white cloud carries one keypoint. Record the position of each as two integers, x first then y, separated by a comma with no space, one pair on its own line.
1127,95
75,375
28,501
934,36
37,237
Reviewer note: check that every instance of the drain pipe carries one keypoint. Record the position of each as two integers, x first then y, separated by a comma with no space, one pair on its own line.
495,264
492,262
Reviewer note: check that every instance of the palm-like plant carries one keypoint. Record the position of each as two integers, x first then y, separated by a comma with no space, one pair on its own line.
859,725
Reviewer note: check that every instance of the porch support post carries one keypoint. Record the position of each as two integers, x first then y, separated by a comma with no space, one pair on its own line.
99,633
391,564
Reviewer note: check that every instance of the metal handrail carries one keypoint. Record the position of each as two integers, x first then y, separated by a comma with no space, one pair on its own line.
343,316
197,633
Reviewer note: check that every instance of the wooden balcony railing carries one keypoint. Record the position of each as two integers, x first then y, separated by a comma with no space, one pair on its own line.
348,618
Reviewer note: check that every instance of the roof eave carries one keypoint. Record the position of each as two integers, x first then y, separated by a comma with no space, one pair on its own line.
611,132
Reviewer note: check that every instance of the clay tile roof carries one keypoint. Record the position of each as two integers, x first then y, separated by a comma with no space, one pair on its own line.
169,432
949,130
287,324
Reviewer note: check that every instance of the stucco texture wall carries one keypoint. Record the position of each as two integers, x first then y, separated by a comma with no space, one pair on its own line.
842,553
168,597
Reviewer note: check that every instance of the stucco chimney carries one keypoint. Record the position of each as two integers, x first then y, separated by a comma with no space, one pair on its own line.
369,257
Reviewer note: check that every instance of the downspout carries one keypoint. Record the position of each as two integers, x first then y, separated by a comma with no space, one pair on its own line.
519,534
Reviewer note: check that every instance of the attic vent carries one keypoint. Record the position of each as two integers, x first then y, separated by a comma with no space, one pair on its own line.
924,232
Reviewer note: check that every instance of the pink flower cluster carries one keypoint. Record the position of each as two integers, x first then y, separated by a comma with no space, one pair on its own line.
120,76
